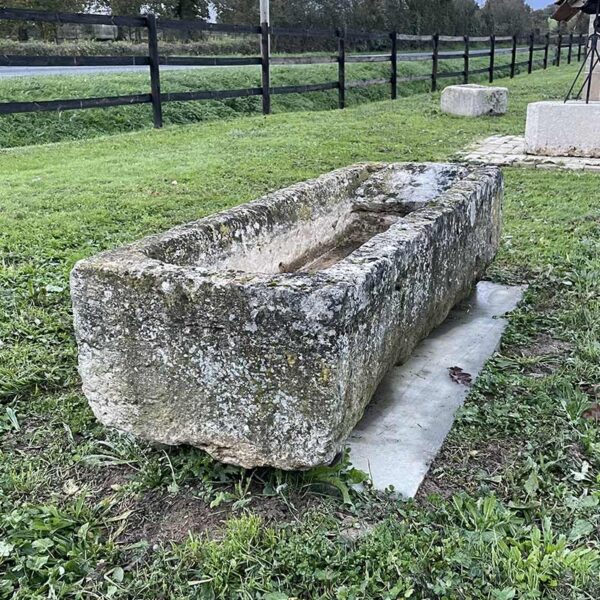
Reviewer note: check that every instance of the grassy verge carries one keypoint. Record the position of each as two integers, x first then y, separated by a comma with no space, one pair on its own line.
510,509
26,129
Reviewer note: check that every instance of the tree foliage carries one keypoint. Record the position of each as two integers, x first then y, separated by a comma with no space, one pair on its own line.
176,9
507,17
407,16
45,30
451,17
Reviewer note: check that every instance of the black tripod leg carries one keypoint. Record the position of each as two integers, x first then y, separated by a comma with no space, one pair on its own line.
593,64
587,55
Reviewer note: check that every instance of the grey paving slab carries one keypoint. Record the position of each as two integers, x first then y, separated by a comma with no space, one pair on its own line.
509,150
413,410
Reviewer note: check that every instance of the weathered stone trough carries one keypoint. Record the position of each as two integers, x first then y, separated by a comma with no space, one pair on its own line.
261,333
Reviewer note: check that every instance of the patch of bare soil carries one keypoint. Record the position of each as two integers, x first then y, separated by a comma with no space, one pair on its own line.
456,470
546,354
27,439
99,483
158,517
546,345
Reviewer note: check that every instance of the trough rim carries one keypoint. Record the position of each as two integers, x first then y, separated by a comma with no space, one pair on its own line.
131,259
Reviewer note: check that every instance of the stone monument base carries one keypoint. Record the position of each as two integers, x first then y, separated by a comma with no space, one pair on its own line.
474,100
557,128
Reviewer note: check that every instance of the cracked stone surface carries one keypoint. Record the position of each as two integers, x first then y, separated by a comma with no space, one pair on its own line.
261,333
509,150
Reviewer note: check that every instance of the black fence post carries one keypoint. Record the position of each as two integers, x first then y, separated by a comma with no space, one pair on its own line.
154,60
492,57
342,67
579,45
559,49
394,36
570,55
546,51
531,47
265,49
434,69
513,59
467,59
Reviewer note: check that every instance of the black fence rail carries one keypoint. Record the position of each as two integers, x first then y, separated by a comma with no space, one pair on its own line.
441,48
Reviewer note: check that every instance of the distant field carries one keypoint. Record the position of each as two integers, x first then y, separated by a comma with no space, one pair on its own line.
28,129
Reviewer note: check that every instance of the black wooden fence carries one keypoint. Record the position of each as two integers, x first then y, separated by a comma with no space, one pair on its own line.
537,54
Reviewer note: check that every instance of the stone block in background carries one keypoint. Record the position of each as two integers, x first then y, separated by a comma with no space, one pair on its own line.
557,128
474,100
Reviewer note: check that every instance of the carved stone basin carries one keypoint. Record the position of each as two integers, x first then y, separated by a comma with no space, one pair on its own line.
261,333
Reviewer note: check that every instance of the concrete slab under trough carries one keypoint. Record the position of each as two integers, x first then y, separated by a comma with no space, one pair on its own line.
413,410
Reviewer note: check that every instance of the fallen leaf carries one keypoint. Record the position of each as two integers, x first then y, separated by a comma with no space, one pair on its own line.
591,389
593,414
459,376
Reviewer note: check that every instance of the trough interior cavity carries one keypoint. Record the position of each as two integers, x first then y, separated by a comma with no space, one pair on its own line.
306,228
361,229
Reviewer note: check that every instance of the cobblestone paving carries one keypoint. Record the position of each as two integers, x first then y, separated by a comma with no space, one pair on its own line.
509,150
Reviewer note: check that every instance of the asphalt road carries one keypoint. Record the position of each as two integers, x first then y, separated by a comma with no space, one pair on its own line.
37,71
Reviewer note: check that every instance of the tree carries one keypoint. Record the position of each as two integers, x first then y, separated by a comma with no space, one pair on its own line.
177,9
467,18
47,30
507,17
237,11
185,9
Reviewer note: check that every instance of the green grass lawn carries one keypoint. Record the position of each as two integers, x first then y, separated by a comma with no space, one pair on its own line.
26,129
511,507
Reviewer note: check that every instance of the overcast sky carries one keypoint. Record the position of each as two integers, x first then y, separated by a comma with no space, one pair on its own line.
532,3
538,3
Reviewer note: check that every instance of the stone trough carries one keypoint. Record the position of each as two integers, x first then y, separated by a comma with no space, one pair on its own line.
261,333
